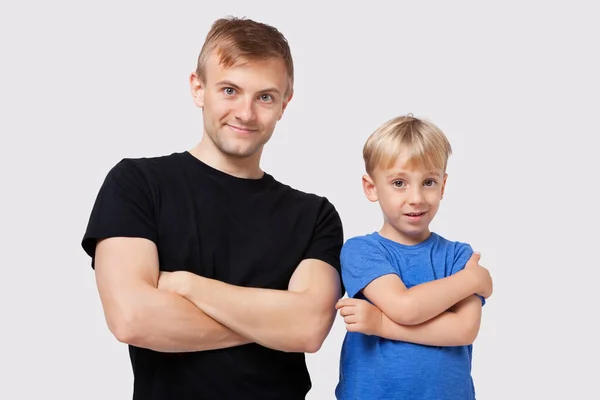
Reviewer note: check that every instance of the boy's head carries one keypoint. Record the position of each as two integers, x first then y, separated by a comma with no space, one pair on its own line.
405,160
243,82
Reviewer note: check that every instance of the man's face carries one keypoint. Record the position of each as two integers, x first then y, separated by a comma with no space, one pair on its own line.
409,196
242,103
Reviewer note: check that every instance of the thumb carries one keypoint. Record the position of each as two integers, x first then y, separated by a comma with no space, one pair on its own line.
476,256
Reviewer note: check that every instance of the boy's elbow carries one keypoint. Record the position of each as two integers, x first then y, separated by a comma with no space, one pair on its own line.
404,311
468,336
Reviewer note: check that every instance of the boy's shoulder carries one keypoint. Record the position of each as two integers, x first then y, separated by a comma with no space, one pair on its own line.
453,244
365,241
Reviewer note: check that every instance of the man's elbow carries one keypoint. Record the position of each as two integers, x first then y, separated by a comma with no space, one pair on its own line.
316,332
125,327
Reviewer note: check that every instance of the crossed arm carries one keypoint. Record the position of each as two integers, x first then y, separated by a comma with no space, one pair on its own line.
195,313
444,312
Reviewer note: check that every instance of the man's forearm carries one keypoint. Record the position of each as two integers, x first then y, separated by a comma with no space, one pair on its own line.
279,319
166,322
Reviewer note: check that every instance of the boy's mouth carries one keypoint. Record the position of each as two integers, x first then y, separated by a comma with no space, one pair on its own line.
415,214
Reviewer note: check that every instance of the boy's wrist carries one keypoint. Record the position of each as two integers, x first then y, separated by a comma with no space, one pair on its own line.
471,280
383,327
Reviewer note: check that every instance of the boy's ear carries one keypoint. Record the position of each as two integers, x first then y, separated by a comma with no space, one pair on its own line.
444,185
369,188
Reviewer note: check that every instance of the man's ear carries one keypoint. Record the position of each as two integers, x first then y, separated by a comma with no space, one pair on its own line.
369,188
444,185
285,103
197,87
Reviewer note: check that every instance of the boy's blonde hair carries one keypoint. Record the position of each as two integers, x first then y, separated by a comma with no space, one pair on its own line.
423,143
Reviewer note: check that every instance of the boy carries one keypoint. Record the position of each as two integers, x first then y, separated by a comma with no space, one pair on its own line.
414,298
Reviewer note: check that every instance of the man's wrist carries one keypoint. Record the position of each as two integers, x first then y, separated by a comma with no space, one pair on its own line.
187,284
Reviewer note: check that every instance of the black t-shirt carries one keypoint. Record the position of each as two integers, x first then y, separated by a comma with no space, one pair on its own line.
245,232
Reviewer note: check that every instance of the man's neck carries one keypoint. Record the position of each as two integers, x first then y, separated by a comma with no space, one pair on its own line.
247,168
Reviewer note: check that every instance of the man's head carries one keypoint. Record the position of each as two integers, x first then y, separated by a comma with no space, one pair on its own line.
243,83
405,160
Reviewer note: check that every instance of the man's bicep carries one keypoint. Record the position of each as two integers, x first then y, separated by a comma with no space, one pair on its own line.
124,268
317,277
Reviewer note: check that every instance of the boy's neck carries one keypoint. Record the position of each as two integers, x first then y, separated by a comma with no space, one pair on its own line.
392,234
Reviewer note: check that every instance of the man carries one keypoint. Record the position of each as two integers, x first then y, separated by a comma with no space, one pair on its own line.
218,276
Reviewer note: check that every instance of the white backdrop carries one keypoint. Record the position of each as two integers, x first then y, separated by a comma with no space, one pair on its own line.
513,84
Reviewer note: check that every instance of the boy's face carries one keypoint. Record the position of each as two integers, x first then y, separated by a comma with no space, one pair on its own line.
241,103
409,196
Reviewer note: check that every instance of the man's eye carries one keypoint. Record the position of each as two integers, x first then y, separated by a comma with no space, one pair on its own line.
266,98
229,91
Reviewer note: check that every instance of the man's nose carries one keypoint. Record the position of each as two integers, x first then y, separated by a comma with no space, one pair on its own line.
245,111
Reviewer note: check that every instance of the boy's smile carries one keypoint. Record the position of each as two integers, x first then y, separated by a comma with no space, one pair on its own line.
409,195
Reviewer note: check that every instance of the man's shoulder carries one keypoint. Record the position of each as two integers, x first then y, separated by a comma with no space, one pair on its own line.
297,197
150,164
149,169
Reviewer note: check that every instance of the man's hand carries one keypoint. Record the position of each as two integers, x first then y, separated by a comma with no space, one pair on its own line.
175,282
481,274
360,316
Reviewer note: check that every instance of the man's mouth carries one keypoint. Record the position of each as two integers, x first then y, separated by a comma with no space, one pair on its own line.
242,129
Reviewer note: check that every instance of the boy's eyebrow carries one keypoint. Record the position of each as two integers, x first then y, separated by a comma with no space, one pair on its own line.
233,85
401,173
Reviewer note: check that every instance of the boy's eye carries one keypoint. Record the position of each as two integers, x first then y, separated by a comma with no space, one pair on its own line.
429,182
398,183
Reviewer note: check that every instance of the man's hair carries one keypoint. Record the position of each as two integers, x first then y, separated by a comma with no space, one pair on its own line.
241,39
423,143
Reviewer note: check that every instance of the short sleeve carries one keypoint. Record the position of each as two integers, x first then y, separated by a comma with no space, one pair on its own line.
328,237
462,254
362,262
124,206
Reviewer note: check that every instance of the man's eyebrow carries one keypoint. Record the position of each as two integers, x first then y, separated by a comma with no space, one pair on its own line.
233,85
228,83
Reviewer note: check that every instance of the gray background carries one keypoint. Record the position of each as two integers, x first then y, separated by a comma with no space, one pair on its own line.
513,84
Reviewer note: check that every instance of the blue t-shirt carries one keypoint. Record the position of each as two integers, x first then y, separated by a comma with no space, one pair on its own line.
376,368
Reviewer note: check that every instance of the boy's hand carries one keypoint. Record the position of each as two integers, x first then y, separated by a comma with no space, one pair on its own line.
360,316
482,276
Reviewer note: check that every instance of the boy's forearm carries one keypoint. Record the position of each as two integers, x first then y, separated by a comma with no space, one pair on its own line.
458,327
430,299
443,330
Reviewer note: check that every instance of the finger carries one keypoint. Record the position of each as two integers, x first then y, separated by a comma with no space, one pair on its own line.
345,302
347,310
350,319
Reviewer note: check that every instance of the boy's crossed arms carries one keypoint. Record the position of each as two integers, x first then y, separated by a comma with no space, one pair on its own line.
442,312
